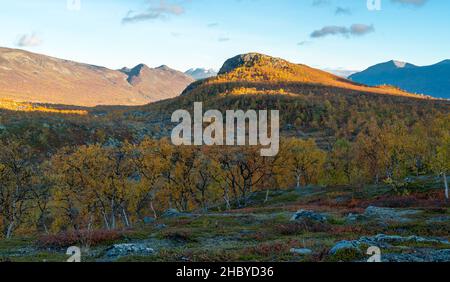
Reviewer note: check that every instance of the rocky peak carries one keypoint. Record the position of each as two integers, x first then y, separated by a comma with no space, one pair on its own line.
250,60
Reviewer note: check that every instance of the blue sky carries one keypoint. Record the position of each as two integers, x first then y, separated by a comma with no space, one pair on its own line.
203,33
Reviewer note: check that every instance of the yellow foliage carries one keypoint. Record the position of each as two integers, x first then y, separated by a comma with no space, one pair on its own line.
29,107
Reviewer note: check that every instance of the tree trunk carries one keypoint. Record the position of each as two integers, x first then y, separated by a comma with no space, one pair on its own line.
446,186
267,196
113,215
9,230
105,219
298,177
125,218
153,210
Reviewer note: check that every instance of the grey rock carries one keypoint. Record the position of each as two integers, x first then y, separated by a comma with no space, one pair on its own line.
351,218
386,241
120,250
303,251
149,220
389,214
439,219
345,245
173,213
303,214
161,226
422,255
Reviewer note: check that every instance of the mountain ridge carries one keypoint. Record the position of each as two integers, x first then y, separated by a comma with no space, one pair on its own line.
201,73
31,77
433,80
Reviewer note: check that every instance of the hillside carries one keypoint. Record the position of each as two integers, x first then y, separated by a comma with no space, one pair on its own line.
30,77
431,80
261,68
310,101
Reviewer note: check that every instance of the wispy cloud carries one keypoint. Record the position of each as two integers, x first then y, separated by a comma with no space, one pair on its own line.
29,40
316,3
353,30
213,25
161,10
416,3
343,11
303,43
223,39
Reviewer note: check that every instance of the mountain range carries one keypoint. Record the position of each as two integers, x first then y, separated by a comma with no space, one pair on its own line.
433,80
29,77
201,73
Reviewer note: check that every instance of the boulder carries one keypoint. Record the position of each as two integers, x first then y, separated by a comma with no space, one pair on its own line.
149,220
389,214
161,226
387,241
170,213
345,245
423,255
303,214
352,218
303,252
120,250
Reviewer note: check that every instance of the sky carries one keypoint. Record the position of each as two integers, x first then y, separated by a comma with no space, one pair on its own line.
183,34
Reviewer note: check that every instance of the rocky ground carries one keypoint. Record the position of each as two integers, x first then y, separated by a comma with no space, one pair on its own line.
311,224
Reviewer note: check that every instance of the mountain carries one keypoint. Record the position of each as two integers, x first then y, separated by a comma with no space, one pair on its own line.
200,73
256,67
30,77
157,83
431,80
341,72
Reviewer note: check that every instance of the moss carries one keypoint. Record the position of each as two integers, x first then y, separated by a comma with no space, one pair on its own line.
347,255
39,257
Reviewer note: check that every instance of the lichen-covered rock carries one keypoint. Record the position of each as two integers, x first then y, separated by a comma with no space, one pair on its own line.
388,241
423,255
120,250
303,214
303,251
171,213
389,214
345,245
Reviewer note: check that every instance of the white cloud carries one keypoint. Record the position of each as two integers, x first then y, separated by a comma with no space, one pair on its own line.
354,30
29,40
160,11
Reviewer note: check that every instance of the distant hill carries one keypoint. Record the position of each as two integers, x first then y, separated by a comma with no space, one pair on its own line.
200,73
29,77
431,80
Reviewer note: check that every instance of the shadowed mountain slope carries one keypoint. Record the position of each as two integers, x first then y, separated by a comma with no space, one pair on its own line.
431,80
